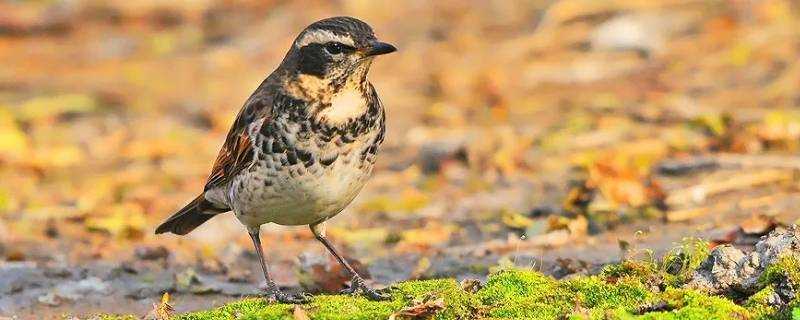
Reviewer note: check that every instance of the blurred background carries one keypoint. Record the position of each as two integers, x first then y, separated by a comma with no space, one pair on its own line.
555,135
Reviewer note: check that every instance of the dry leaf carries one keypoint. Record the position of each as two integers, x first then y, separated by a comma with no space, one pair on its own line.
758,224
422,308
299,313
162,310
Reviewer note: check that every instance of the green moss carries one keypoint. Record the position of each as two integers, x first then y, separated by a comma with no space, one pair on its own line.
458,304
628,294
690,304
517,294
784,271
346,307
682,304
622,291
787,267
511,284
115,317
674,269
681,261
645,271
251,308
629,268
759,306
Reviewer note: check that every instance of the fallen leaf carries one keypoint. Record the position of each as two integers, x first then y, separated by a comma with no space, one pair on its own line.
758,224
322,273
515,220
299,314
162,310
125,220
422,266
471,285
48,107
423,308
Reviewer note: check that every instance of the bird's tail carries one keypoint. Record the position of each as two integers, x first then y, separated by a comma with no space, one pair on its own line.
190,217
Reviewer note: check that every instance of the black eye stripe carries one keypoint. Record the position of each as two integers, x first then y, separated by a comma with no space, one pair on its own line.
337,47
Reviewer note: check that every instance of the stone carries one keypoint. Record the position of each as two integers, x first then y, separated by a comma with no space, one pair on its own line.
728,270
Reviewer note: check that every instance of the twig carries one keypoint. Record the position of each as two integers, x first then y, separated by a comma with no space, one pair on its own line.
727,160
758,161
699,193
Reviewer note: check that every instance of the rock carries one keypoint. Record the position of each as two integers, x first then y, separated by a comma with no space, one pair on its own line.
643,32
151,252
189,281
728,270
778,243
58,272
50,299
239,275
16,276
784,292
433,155
75,290
228,288
722,270
144,285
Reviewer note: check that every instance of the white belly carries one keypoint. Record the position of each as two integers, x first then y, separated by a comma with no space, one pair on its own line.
297,195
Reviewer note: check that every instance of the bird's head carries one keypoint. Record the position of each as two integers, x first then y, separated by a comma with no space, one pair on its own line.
335,51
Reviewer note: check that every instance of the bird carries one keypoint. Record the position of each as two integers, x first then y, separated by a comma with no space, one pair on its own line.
302,146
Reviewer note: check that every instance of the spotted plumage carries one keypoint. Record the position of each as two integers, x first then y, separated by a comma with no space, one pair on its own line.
303,144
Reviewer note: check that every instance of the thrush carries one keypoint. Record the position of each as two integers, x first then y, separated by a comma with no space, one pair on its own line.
303,144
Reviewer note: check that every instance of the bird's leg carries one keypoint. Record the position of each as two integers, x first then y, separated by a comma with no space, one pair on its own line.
357,285
273,292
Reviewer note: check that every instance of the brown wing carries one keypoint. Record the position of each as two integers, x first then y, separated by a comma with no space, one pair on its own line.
237,152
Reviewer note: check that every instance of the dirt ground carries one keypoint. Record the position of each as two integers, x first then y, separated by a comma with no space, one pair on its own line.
555,135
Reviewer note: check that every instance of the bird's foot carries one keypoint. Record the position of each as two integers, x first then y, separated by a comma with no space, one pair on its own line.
276,295
359,286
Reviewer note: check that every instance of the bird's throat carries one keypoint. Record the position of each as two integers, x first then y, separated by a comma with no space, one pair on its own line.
329,103
345,105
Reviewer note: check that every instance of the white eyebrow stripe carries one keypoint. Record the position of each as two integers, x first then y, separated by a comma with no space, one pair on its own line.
323,36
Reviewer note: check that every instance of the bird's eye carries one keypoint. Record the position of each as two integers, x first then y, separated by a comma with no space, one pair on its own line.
337,48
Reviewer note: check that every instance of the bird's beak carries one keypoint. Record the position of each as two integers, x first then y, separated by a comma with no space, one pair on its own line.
378,48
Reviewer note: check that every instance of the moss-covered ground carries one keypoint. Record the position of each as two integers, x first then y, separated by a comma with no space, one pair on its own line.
630,290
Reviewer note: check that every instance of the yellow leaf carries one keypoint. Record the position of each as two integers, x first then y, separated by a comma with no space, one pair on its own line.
45,107
515,220
299,313
59,156
164,310
740,54
431,234
124,220
13,142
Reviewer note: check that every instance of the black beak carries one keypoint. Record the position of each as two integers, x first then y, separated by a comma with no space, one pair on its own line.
379,48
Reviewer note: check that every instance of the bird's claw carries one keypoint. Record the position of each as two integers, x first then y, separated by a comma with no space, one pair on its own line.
276,295
359,286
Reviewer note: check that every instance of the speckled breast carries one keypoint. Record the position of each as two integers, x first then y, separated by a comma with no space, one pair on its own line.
303,177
